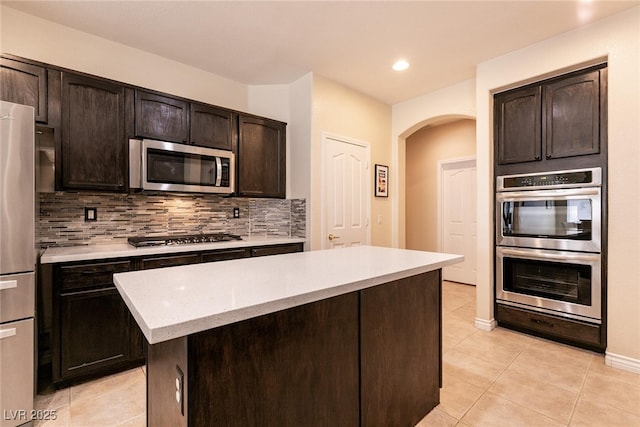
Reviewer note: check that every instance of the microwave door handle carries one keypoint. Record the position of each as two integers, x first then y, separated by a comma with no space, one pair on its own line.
218,171
506,216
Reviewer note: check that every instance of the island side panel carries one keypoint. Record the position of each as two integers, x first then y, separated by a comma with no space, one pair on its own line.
162,407
400,350
297,367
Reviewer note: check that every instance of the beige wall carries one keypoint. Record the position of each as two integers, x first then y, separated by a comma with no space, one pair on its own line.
424,149
299,154
35,38
454,102
341,111
313,106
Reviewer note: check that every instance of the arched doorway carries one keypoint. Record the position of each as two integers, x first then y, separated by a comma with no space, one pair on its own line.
439,196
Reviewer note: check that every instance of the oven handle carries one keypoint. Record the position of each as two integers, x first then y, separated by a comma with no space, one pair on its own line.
546,194
548,255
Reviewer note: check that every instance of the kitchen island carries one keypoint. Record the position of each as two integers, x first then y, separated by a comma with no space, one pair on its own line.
342,337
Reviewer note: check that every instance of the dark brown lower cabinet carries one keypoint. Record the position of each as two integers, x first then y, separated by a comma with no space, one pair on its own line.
83,314
580,334
92,329
368,358
400,360
168,261
277,249
225,255
93,333
315,346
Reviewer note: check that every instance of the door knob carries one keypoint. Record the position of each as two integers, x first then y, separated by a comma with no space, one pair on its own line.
332,237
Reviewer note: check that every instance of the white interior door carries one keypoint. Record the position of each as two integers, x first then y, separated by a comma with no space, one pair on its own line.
346,193
458,218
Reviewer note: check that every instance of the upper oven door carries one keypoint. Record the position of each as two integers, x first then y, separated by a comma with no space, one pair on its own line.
566,219
176,167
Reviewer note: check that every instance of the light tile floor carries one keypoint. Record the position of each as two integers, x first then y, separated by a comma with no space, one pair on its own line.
498,378
504,378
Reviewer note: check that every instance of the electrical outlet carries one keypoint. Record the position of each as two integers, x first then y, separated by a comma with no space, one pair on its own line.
236,212
90,214
180,389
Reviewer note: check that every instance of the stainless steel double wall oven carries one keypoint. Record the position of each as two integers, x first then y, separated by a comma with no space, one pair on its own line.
548,243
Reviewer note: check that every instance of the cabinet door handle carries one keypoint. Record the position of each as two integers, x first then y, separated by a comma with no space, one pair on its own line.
6,333
8,284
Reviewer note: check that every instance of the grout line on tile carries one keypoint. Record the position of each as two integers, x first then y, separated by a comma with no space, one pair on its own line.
580,391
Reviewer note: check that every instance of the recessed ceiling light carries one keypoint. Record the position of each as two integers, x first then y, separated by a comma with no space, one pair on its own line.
400,65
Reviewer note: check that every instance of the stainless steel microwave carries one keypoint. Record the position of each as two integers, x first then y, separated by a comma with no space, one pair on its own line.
165,166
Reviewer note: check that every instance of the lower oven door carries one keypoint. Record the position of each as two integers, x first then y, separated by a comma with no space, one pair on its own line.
563,283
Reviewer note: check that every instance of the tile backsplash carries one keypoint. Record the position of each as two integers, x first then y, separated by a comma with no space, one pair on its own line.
61,217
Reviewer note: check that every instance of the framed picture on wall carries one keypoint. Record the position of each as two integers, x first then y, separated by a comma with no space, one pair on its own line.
381,181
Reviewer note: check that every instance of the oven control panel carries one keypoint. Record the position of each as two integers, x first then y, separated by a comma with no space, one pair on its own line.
562,179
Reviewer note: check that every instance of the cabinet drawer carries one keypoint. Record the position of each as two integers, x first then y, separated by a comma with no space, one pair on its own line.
277,250
91,275
170,261
16,370
17,296
566,330
225,255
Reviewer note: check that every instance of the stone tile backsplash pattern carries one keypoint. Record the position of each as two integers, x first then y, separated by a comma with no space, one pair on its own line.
61,217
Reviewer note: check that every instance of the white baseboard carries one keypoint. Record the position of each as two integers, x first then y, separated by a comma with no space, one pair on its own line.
621,362
486,325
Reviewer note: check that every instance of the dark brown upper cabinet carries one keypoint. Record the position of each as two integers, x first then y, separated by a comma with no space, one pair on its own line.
92,118
161,117
25,84
572,116
554,124
171,119
94,143
261,157
213,127
518,131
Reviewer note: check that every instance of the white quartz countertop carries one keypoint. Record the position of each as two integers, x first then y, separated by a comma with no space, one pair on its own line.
123,250
173,302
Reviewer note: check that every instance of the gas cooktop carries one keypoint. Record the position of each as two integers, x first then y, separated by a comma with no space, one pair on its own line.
185,239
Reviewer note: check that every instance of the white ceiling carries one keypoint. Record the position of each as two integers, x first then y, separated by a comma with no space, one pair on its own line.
351,42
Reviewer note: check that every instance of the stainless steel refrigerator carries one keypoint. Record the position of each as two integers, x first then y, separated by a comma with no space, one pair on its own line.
17,263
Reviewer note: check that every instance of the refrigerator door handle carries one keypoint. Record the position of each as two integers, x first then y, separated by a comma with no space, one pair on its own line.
8,284
6,333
